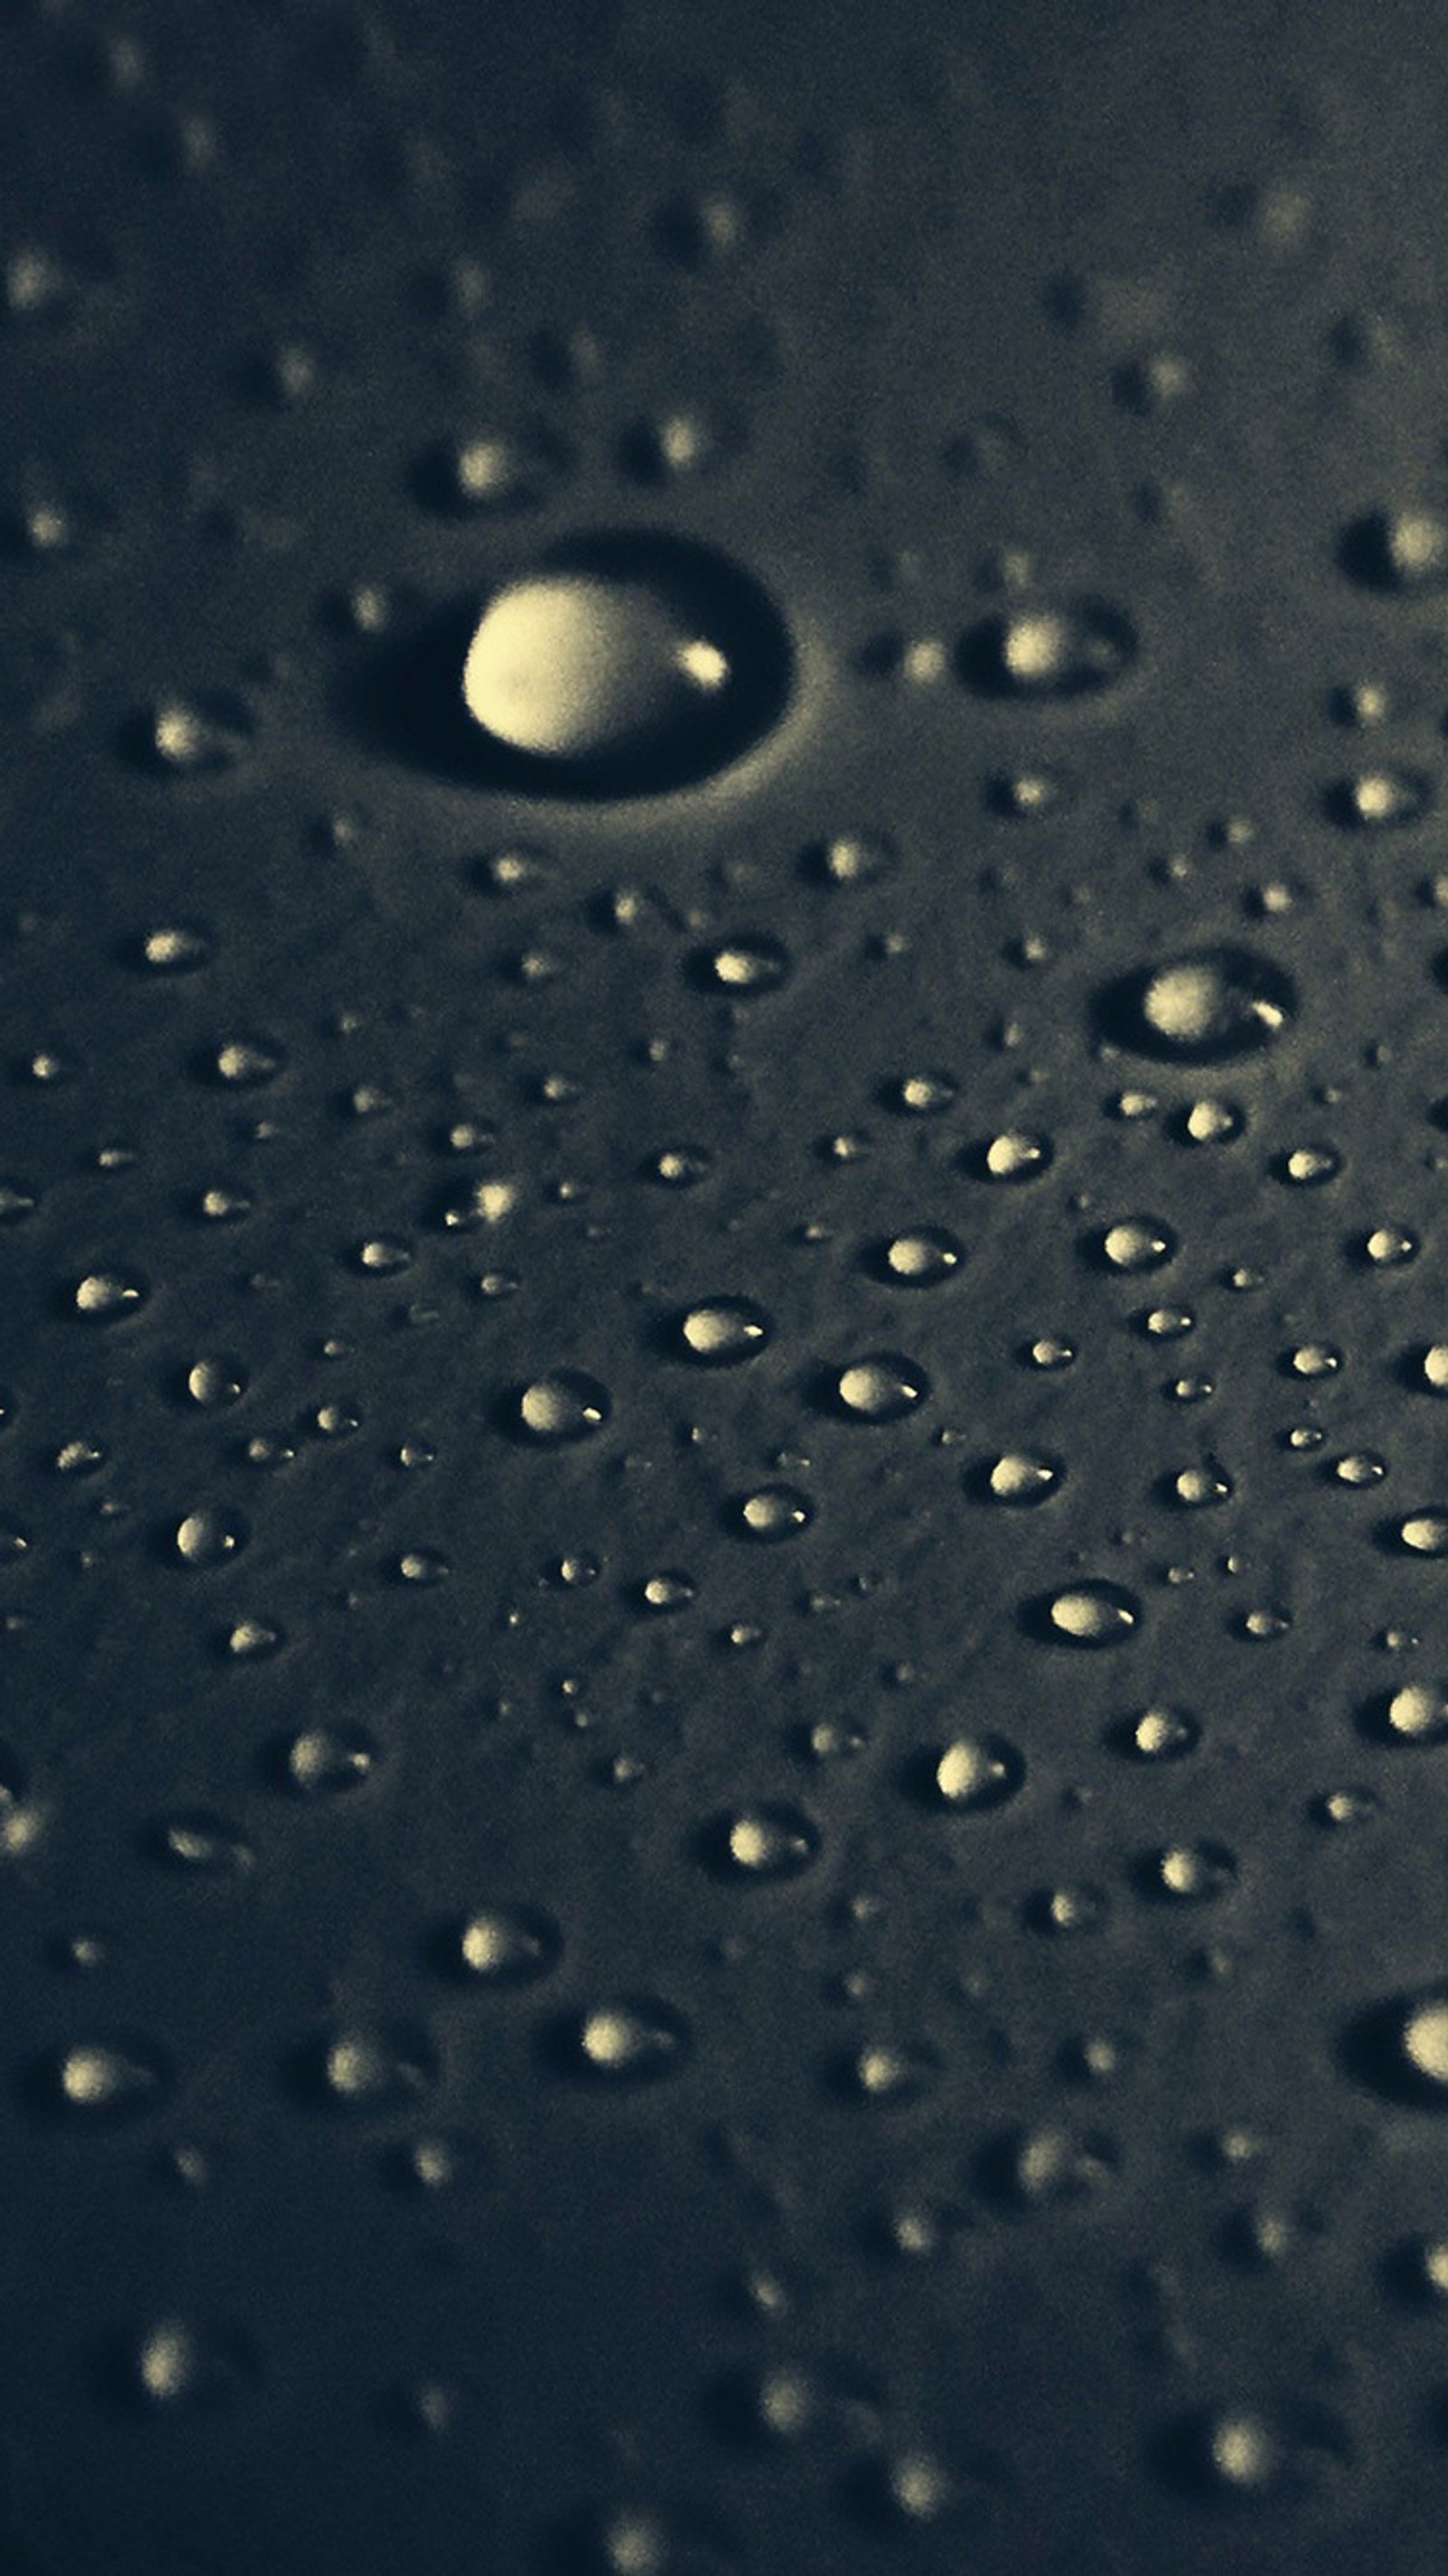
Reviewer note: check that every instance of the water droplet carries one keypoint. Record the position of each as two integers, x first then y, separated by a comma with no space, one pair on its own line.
974,1773
1424,1533
1378,800
1049,652
1239,2454
1405,551
888,2073
1040,2167
769,1841
1197,1488
1091,1614
721,1331
771,1513
497,470
565,1405
1208,1006
505,1945
1012,1156
624,666
174,948
367,2067
104,2079
1389,1247
1157,1734
1018,1477
920,1095
1210,1122
103,1296
326,1761
208,1538
190,737
1136,1243
742,968
634,2039
1188,1873
180,2364
882,1387
920,1258
215,1382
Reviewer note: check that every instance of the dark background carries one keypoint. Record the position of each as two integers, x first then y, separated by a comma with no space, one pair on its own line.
1135,305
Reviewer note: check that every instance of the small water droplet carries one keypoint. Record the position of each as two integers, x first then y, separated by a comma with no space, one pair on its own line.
505,1945
104,2079
367,2067
1065,651
633,2039
771,1513
1091,1614
721,1331
974,1774
921,1257
882,1387
565,1405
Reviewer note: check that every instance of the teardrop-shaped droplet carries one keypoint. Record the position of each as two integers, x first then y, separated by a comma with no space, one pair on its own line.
623,665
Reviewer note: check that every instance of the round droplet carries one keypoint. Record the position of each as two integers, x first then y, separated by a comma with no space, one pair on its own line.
882,1387
1209,1122
1070,650
1037,2168
174,948
190,737
888,2073
624,666
722,1331
215,1382
743,968
105,2079
1401,2048
368,2067
103,1296
1092,1615
208,1538
1158,1734
920,1095
1013,1156
761,1842
1389,1247
491,470
1378,800
181,2364
771,1513
1197,1488
634,2039
1405,550
1019,1478
1137,1243
565,1405
1188,1873
506,1945
1208,1006
1424,1533
1416,1714
919,1258
975,1773
200,1841
327,1761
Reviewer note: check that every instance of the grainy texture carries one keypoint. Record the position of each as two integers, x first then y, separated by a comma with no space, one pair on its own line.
723,1527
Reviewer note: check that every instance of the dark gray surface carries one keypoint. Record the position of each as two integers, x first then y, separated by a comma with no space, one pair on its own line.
1162,2176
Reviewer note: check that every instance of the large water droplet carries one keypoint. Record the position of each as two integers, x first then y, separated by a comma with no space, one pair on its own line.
1208,1006
1066,650
621,665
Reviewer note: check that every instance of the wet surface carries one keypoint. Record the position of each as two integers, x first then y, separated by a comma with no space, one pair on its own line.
722,1502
